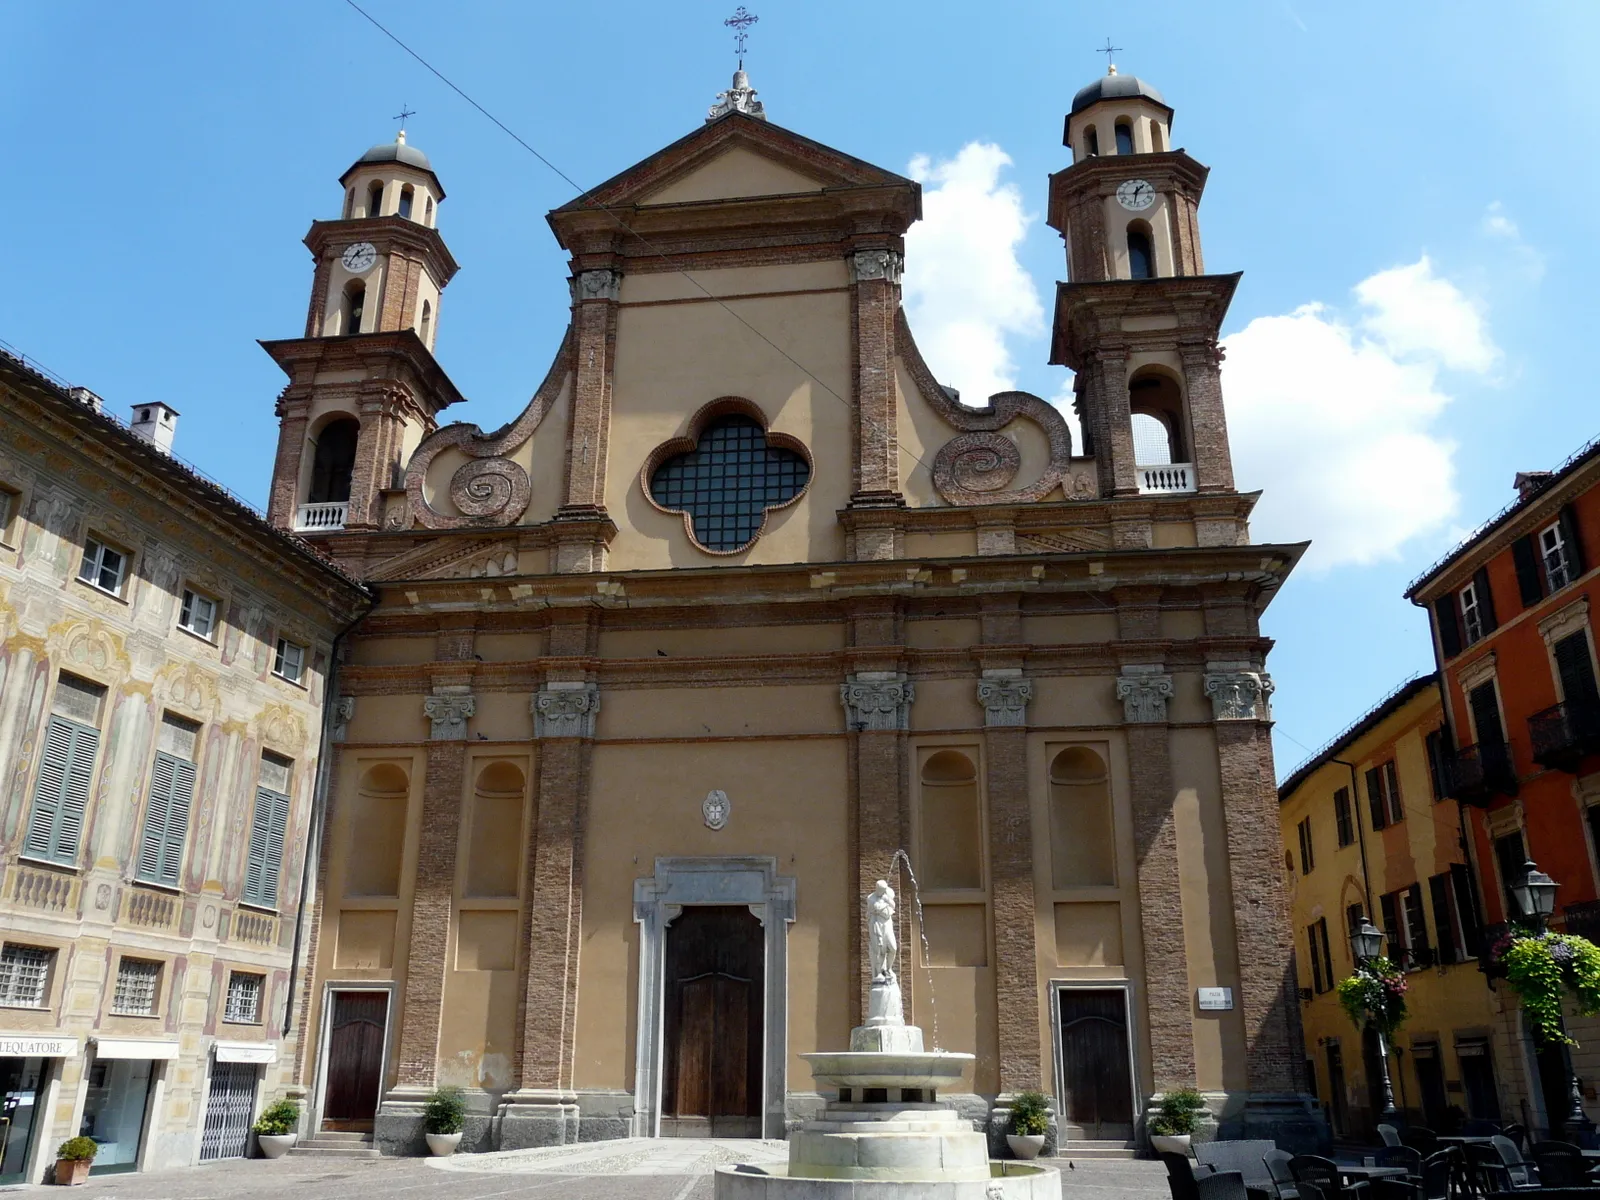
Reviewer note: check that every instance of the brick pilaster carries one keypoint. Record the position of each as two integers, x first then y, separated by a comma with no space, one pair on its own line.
1208,423
434,892
285,496
875,294
594,321
1112,423
1015,908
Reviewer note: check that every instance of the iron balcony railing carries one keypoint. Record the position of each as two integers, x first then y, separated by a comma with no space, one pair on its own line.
1564,733
1583,918
1479,774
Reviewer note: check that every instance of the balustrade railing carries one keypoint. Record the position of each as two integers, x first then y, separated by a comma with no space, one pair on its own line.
1478,774
1564,733
1166,479
313,518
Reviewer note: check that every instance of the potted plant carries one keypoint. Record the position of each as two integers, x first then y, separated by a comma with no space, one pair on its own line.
442,1117
1030,1121
275,1127
1172,1129
73,1159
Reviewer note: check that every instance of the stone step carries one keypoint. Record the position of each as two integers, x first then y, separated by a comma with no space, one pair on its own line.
1100,1150
312,1151
332,1137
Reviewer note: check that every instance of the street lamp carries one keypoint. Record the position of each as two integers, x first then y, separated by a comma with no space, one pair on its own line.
1366,944
1535,894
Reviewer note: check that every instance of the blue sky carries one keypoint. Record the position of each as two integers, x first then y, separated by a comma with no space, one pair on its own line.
1419,171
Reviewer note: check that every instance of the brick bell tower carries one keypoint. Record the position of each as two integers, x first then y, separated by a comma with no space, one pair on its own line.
1139,320
363,383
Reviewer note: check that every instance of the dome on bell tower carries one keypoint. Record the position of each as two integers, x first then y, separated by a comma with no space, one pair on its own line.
394,160
1112,86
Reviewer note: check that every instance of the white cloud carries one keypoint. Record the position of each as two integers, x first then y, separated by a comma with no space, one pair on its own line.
1497,224
1334,417
965,290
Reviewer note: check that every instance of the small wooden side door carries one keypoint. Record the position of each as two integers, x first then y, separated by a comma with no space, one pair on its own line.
355,1060
1096,1069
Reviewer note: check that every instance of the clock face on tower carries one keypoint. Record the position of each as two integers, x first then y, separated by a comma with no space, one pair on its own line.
1135,195
362,255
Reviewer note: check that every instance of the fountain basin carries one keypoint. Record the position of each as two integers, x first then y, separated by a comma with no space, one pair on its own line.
1003,1181
853,1069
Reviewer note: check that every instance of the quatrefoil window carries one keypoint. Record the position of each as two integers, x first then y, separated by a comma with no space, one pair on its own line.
727,478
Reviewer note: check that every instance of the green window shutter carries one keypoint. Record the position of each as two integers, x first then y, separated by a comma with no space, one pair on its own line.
61,793
275,836
265,865
177,821
155,818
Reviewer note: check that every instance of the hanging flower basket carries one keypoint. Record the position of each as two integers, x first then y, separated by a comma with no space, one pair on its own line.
1374,996
1543,969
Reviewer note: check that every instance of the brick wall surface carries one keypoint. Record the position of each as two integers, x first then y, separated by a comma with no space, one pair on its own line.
1015,911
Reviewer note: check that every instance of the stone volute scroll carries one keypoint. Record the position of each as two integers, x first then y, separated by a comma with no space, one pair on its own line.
565,710
1238,692
1004,699
344,710
978,466
876,264
448,713
877,701
488,489
1144,692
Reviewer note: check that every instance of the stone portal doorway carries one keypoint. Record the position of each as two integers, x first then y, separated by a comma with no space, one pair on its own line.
714,977
357,1027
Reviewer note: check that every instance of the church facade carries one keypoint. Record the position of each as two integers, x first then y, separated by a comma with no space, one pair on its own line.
744,612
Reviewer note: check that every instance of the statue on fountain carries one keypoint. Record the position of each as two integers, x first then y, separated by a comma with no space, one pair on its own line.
883,948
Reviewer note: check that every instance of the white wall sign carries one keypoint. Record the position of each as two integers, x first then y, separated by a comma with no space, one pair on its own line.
134,1048
1216,999
28,1045
246,1052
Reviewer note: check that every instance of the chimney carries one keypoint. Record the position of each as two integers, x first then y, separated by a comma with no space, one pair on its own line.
87,398
156,423
1530,483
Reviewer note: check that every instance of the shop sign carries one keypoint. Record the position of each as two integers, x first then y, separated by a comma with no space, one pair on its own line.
246,1052
31,1045
134,1048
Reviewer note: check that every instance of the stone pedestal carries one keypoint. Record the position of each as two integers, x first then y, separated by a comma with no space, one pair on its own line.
531,1117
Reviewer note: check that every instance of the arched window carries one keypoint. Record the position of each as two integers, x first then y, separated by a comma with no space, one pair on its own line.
1091,141
425,327
375,200
349,202
355,304
1124,138
1082,842
1152,440
1141,258
1155,137
951,826
334,461
406,196
427,213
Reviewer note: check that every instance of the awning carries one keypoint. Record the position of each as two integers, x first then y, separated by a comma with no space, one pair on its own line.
246,1052
134,1048
33,1045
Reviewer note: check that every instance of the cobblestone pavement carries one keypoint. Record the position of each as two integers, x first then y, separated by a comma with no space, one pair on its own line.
664,1169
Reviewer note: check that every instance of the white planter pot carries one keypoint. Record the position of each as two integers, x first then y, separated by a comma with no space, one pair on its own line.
443,1145
275,1145
1170,1143
1025,1145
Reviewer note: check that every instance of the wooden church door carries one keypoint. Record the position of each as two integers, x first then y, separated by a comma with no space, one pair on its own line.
714,996
1096,1070
355,1060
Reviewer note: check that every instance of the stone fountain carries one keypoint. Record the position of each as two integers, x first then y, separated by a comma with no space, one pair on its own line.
887,1136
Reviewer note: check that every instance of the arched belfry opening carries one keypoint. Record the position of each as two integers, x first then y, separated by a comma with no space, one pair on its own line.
1155,401
354,307
334,462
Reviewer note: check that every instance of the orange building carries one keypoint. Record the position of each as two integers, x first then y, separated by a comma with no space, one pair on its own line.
1511,618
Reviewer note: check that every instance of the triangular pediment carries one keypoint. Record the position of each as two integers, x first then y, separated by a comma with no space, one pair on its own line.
732,157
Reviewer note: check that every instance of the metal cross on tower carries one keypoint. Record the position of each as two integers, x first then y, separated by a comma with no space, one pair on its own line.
1108,50
403,114
740,23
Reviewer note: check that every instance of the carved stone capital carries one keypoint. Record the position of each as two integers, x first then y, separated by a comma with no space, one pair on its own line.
877,700
343,709
449,713
565,710
1144,692
601,283
1005,700
1238,692
876,264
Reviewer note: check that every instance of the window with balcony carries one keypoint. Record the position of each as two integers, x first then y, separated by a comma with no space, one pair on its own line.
1344,816
1159,450
63,786
332,465
1563,734
1485,769
25,975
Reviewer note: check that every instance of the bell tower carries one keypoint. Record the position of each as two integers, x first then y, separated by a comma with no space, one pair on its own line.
364,387
1139,320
